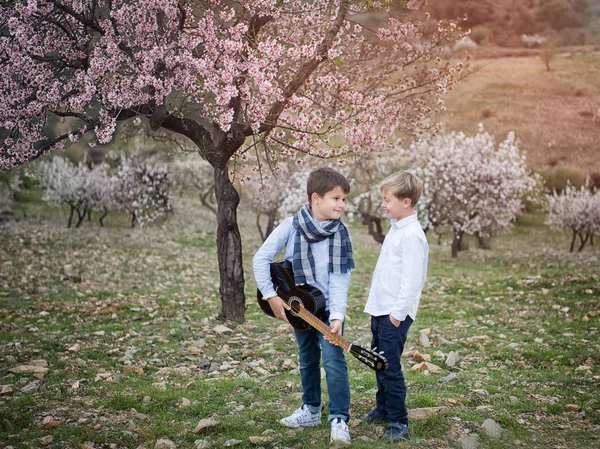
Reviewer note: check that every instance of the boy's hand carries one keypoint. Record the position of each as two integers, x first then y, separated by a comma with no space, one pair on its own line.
336,326
279,306
394,321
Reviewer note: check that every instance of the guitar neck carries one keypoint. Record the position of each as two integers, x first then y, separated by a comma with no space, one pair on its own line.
324,329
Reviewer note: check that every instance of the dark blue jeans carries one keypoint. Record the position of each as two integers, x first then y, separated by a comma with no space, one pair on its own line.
391,389
311,345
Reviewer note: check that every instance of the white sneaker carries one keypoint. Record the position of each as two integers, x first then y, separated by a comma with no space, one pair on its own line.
302,418
339,432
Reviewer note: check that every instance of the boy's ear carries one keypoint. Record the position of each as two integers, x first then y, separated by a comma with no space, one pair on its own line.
407,202
313,197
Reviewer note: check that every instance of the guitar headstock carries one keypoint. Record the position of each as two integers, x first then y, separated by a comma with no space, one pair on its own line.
369,357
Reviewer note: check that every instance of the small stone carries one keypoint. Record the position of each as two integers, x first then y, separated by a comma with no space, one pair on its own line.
260,439
222,330
514,346
492,428
146,400
426,367
185,403
202,444
480,394
6,390
421,414
288,364
30,388
572,408
445,341
469,441
75,348
449,378
45,441
205,423
232,442
416,355
162,386
164,443
49,422
452,359
424,340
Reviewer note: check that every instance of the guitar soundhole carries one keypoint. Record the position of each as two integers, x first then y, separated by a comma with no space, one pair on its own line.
296,304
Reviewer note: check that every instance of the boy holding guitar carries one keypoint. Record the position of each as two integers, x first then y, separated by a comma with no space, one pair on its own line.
393,300
318,246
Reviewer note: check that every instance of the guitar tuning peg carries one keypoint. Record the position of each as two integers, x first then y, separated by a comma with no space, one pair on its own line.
374,348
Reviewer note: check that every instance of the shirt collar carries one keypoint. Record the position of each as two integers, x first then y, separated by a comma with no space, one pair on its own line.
404,222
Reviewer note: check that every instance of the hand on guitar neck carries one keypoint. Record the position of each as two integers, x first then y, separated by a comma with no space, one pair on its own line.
279,306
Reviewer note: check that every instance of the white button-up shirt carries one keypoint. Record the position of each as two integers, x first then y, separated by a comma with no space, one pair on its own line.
334,286
400,272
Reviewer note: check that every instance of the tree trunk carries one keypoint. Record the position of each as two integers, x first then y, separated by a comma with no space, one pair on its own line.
456,243
133,219
573,241
103,216
229,248
71,217
81,216
270,224
483,242
583,240
373,224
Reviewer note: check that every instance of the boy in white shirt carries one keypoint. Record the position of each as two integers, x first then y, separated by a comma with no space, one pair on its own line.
394,296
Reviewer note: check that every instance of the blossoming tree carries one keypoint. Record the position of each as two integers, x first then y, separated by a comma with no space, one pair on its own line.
577,210
470,185
142,189
75,185
245,79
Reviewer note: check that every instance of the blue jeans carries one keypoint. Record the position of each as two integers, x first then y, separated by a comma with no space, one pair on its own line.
311,345
391,389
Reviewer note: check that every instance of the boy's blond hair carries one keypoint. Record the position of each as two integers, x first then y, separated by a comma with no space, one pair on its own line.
403,184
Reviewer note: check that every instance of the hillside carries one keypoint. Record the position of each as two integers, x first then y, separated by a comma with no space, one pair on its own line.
555,114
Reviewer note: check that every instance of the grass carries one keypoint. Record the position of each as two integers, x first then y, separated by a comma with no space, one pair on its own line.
522,316
553,113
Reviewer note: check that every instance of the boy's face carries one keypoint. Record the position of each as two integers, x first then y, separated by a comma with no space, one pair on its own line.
329,206
395,209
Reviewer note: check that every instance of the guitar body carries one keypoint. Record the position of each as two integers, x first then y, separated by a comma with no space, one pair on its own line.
310,297
307,305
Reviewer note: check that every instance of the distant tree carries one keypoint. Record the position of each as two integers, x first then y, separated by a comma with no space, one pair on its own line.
10,183
577,210
470,185
142,189
193,171
278,197
77,186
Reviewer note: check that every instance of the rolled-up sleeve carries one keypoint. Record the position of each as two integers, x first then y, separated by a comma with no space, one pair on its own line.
261,263
414,270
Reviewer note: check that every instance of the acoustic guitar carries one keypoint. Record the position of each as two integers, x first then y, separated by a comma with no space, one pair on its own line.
307,303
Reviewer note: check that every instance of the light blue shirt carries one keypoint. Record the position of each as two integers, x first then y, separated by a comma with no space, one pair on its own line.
400,272
334,286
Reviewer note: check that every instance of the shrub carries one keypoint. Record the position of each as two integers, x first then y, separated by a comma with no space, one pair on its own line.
557,177
481,34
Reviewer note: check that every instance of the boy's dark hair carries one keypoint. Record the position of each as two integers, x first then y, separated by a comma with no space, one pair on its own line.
323,180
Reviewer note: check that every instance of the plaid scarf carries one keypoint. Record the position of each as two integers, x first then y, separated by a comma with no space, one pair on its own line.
308,231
